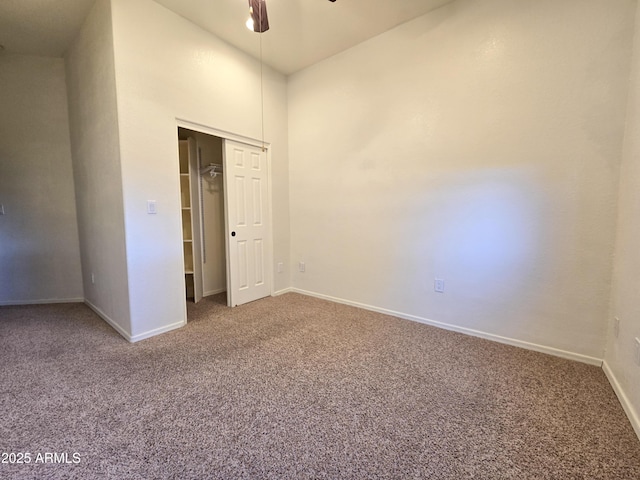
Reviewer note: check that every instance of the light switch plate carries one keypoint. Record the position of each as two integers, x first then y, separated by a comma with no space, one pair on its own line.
152,207
1,209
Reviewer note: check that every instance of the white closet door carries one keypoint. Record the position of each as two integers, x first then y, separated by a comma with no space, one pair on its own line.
247,223
194,180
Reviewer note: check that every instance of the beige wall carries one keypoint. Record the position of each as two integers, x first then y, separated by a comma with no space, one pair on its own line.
39,252
620,363
97,169
479,144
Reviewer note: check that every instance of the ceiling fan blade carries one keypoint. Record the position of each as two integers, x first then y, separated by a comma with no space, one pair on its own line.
259,15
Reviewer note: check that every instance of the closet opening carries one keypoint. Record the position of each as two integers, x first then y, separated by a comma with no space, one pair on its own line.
203,216
225,188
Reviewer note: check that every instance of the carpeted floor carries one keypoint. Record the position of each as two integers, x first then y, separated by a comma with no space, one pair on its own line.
294,387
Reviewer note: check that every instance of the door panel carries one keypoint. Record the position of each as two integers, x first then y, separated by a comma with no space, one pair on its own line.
258,208
259,264
241,203
247,224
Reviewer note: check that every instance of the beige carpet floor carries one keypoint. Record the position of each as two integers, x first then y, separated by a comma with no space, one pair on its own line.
297,388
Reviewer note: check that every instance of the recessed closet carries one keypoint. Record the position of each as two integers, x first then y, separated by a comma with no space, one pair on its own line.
202,198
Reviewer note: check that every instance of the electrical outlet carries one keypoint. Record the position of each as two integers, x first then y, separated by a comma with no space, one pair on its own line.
637,351
152,208
93,279
280,267
301,267
438,285
1,209
616,327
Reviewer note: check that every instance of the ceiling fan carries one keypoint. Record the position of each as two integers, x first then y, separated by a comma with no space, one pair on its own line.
258,12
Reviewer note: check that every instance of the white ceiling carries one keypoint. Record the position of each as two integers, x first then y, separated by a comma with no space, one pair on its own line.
41,27
302,31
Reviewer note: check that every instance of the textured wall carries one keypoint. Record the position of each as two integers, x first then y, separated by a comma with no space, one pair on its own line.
480,144
626,280
96,167
169,69
39,252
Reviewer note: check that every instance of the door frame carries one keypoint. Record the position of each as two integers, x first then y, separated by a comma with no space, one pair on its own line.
198,127
196,227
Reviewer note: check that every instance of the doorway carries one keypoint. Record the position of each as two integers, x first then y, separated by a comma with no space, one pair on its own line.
226,217
203,231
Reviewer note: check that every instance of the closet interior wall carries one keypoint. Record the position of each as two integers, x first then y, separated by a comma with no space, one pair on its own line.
212,217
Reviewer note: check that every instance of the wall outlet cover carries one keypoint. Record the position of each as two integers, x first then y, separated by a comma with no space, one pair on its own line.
438,285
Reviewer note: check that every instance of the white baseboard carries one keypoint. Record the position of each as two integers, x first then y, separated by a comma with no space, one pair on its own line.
468,331
283,291
41,302
157,331
127,335
214,292
108,319
631,412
